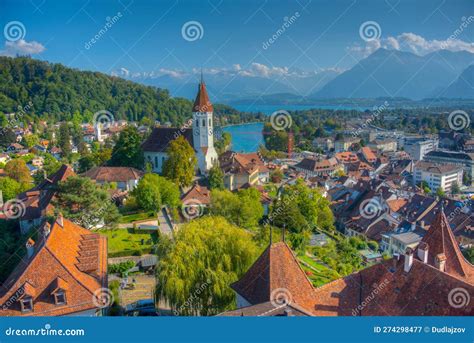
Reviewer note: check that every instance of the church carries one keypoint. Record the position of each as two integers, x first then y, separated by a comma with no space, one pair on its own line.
200,136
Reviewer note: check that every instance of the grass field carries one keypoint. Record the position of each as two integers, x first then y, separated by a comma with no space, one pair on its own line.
130,218
126,240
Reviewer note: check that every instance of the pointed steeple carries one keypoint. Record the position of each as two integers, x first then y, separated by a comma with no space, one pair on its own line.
276,273
442,245
202,102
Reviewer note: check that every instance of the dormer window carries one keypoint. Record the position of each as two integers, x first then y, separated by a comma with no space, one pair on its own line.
26,304
60,297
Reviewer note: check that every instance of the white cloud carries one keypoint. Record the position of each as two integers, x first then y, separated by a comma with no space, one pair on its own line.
253,70
413,43
22,47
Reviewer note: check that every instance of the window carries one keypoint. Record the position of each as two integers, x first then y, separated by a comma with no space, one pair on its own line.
210,123
156,161
204,122
197,122
26,304
60,298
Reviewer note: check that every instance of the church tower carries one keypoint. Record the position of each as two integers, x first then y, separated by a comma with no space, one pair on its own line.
203,130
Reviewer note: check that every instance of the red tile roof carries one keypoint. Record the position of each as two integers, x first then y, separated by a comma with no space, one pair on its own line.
113,174
198,193
70,258
440,240
202,102
276,272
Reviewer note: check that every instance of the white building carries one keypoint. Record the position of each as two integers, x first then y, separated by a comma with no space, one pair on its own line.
437,175
418,147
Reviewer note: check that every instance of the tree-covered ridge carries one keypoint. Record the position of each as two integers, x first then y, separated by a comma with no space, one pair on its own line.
55,92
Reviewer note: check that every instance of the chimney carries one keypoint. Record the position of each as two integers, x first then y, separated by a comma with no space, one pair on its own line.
408,260
288,312
46,229
60,220
423,252
440,262
30,247
413,226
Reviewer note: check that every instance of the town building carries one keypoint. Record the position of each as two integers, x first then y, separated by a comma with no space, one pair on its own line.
437,175
462,159
64,273
384,145
199,133
418,147
312,167
242,169
345,144
126,178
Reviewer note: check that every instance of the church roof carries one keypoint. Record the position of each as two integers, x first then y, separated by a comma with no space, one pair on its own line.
440,240
161,137
202,102
276,273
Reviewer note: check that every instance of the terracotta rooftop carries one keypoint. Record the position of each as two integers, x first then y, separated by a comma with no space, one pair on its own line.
276,269
198,193
440,240
69,258
202,102
113,174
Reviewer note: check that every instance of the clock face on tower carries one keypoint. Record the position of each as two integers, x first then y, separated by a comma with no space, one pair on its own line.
196,131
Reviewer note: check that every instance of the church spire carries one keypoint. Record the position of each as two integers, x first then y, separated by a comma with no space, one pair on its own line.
202,102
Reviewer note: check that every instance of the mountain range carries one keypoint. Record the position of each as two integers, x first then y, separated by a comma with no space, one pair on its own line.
384,73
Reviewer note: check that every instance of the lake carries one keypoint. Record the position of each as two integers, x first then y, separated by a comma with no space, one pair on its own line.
248,137
245,137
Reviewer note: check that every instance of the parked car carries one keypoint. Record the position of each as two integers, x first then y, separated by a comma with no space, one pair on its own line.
142,308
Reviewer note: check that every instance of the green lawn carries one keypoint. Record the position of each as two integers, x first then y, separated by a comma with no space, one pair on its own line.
130,218
120,240
318,266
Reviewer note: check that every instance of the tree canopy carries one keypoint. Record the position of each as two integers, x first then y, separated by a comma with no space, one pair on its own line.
242,208
153,191
84,202
180,167
195,271
128,152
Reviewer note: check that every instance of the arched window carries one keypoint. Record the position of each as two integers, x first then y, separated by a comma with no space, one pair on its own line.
197,122
156,161
210,124
204,122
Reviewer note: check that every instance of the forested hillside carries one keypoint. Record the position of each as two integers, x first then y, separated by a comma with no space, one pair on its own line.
55,93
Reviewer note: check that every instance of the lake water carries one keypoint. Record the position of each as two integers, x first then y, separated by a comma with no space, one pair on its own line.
248,137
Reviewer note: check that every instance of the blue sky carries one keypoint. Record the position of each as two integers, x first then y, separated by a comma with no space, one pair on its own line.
146,35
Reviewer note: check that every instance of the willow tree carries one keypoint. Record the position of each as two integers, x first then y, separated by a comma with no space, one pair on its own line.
195,271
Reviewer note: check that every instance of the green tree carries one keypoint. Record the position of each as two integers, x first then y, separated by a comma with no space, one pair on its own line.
440,192
7,137
223,143
216,178
83,201
181,164
455,188
31,140
147,193
64,139
194,272
17,170
242,208
128,152
9,187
